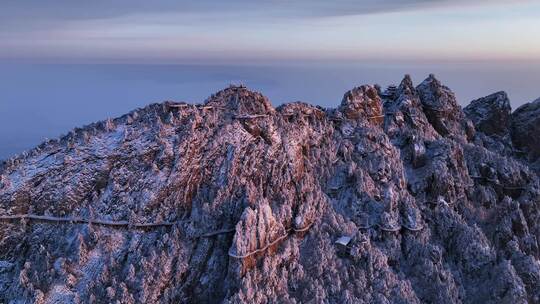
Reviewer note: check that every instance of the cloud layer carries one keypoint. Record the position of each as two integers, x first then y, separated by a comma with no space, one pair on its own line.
170,30
31,11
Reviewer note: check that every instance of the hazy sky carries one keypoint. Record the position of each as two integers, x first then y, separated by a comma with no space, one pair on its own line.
309,50
237,30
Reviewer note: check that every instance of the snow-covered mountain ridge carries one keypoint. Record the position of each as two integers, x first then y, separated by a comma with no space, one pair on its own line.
395,196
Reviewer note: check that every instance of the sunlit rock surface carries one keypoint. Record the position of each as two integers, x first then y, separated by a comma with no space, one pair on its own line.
234,201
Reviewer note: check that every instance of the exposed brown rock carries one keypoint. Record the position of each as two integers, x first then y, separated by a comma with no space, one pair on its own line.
362,103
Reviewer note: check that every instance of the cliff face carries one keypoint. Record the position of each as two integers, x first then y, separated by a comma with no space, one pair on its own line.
234,201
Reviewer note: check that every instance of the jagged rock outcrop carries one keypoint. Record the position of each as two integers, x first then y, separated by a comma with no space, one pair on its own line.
233,201
442,109
362,103
491,116
514,134
526,131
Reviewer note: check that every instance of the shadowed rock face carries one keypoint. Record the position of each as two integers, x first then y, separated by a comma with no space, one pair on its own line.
491,114
526,128
492,119
246,203
441,108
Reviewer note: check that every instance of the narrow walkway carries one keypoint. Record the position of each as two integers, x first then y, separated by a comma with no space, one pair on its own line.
45,218
391,229
115,224
264,248
496,183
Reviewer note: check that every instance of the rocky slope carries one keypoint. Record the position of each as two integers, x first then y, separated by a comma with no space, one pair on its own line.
234,201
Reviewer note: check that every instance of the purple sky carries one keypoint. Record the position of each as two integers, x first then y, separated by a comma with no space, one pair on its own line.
124,54
204,31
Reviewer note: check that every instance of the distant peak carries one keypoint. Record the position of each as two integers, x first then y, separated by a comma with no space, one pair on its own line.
432,80
407,79
406,86
499,99
363,101
490,114
240,99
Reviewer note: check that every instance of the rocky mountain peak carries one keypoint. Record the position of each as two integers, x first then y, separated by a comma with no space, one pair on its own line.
241,100
406,87
362,103
490,114
442,109
436,96
525,130
231,201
